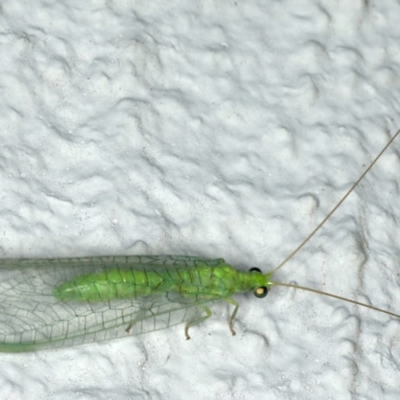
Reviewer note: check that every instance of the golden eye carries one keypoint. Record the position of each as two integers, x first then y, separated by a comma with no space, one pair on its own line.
261,292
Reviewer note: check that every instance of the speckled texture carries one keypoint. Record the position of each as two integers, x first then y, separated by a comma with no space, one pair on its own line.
220,129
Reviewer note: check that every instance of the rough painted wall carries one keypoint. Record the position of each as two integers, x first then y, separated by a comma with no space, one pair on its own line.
221,129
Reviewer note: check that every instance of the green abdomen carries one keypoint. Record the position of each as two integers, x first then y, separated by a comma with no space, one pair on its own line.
110,284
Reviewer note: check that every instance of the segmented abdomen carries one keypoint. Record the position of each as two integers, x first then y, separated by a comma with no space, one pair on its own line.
111,284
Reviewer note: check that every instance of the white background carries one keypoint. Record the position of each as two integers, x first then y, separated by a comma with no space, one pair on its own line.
219,129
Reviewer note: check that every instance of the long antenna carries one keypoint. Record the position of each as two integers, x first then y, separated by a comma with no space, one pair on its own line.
336,297
318,227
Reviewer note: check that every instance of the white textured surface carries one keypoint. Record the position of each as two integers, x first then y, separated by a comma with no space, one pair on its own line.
221,129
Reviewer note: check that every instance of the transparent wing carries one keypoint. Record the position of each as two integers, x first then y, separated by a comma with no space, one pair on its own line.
31,318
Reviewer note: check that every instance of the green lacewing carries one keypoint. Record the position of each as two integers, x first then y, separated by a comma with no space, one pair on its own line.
48,303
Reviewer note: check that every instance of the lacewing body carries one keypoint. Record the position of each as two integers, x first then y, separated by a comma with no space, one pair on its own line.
47,303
